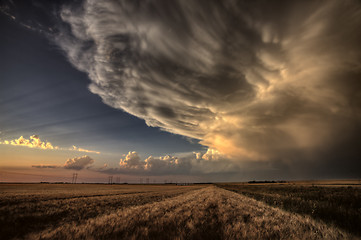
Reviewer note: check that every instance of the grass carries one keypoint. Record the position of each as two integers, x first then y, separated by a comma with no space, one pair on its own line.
50,211
209,213
33,207
340,206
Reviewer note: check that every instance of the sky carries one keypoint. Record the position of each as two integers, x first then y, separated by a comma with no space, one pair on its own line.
180,90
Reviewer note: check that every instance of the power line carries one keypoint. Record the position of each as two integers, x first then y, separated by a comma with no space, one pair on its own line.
110,180
75,176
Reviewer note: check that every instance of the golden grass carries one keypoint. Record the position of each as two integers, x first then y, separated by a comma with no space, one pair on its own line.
208,213
340,206
33,207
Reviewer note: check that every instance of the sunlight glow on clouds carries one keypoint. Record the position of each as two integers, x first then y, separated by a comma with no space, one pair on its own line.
35,142
195,163
256,82
75,148
154,165
78,163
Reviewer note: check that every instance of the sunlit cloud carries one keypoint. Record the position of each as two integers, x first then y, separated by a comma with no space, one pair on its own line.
131,161
35,142
78,149
78,163
192,163
255,82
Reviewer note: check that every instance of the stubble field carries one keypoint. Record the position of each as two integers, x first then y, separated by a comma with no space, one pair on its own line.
86,211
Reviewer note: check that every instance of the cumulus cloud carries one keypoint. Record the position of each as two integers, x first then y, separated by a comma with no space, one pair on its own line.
131,161
35,142
254,80
189,164
78,163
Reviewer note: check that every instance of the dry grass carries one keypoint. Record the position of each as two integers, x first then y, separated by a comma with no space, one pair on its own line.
33,207
340,206
208,213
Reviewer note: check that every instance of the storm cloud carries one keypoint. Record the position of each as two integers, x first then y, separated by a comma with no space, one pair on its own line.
258,81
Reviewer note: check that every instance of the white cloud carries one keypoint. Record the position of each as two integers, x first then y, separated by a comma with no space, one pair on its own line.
189,164
131,161
78,149
35,142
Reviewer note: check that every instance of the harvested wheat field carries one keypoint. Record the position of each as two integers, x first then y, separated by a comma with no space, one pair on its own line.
159,212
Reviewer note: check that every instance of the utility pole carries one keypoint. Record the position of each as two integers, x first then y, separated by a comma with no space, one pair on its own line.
75,176
110,180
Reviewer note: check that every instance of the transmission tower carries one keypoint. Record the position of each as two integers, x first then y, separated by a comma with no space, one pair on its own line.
75,176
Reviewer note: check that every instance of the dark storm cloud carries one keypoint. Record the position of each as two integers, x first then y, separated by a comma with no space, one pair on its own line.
266,81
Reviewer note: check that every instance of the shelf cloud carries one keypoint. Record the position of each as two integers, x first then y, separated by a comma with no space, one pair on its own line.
271,82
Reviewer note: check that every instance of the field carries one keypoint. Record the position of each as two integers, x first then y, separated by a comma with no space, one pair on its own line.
96,211
334,203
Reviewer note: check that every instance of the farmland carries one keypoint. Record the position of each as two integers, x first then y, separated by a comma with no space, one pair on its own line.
33,207
90,211
333,203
